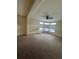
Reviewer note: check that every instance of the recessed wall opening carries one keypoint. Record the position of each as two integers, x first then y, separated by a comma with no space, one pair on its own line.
47,26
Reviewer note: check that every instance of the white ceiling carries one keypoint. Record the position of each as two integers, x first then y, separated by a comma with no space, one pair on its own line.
52,7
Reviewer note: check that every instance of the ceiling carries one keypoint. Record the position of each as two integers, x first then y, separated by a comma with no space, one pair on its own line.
40,8
24,6
52,7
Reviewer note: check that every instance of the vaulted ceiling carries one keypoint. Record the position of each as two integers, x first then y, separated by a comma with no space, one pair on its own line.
24,6
40,7
52,7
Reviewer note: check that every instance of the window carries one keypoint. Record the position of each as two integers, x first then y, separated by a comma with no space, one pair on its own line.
47,27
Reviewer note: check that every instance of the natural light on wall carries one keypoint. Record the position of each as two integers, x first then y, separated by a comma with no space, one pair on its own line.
47,26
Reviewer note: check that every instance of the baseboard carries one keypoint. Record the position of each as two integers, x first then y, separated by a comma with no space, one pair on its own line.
56,34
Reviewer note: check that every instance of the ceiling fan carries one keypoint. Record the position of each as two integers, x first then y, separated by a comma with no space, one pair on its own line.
48,16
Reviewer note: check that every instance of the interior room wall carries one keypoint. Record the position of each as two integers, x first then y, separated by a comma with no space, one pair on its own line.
21,25
58,27
23,8
32,25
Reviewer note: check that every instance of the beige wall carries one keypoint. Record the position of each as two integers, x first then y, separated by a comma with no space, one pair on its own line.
23,8
59,27
21,25
32,26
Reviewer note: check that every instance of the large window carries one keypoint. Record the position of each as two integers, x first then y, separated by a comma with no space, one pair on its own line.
47,26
